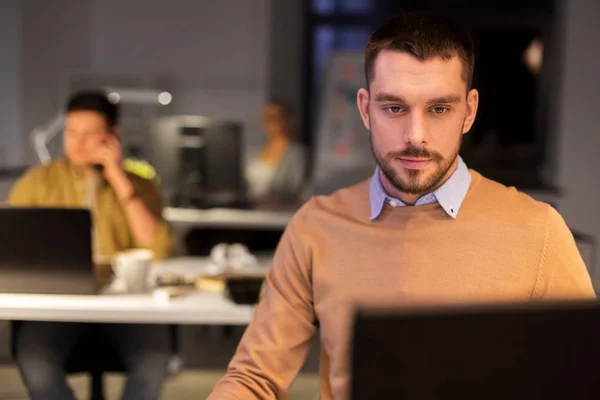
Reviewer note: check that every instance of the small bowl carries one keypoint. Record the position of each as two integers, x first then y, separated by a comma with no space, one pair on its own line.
244,290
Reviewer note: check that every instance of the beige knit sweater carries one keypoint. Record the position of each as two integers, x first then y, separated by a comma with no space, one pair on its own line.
502,246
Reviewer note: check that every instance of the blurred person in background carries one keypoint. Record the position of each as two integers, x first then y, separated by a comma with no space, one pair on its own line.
424,229
127,213
277,173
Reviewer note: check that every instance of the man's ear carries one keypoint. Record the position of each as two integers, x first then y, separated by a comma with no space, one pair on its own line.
362,101
472,105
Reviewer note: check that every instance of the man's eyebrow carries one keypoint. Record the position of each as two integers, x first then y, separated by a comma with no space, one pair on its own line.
450,99
387,97
383,97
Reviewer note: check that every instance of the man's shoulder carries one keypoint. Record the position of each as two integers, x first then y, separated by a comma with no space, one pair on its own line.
506,198
350,202
46,172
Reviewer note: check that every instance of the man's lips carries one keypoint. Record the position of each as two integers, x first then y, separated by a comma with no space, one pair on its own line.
414,163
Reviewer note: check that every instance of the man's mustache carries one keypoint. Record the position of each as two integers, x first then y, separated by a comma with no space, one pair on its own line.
415,152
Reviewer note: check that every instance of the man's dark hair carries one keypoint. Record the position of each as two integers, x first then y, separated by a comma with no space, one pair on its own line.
95,101
423,36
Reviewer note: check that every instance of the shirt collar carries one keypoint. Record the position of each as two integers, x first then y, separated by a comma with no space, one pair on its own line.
450,195
79,174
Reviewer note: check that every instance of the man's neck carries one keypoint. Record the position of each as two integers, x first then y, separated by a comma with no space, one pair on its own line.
407,198
91,172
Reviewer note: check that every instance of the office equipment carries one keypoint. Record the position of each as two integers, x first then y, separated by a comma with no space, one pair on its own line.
527,351
199,161
46,250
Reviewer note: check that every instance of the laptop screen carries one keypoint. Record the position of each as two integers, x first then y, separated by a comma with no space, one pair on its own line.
526,351
46,250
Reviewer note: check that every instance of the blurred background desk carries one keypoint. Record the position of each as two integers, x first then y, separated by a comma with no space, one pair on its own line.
198,230
187,218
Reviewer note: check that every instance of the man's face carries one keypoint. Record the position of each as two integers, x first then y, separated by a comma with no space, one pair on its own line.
85,132
417,112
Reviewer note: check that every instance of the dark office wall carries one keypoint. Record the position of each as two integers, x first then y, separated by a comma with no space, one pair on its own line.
578,144
54,44
214,54
10,83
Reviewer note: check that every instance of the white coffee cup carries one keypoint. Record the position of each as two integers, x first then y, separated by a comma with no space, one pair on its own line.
132,270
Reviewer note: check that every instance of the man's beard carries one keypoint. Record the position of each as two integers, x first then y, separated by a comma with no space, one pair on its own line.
412,184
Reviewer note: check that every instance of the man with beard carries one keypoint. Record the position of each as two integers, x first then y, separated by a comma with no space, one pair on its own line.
423,229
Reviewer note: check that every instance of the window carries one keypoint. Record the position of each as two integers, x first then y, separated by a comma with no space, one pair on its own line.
325,7
330,38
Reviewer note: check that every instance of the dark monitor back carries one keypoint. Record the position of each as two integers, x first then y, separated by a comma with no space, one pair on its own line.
211,167
531,351
215,152
198,159
46,250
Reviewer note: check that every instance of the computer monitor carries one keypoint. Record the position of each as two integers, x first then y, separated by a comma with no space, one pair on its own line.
525,351
198,159
46,250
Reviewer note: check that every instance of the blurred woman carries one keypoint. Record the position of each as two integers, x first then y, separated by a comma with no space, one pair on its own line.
277,173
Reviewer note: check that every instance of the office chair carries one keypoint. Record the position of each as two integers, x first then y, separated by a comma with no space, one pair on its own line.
95,356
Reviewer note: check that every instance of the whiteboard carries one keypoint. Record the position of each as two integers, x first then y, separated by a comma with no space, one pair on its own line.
343,151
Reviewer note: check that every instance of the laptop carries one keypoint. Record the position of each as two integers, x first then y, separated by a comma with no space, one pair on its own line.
46,250
524,351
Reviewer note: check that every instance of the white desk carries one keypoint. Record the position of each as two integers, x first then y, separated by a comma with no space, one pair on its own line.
227,218
200,308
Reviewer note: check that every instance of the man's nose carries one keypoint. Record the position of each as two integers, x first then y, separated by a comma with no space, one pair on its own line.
416,132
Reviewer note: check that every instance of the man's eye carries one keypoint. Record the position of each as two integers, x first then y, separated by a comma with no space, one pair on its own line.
394,109
439,110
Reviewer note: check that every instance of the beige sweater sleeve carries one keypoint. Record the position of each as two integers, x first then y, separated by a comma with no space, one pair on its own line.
562,272
275,344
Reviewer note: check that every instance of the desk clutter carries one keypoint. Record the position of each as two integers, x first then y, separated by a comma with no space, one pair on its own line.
230,270
225,261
